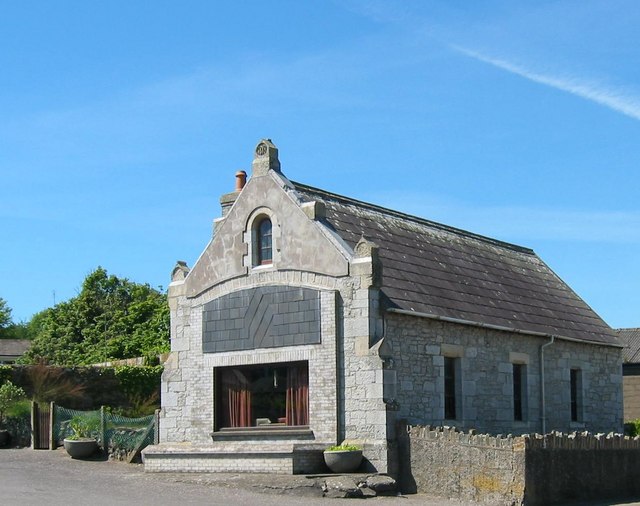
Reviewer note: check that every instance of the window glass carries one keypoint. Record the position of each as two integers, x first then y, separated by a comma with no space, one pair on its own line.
575,392
449,388
517,391
255,396
264,242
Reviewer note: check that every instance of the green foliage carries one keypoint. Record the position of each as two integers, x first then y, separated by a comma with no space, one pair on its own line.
84,426
111,318
139,381
632,428
5,314
9,394
343,448
19,409
139,406
6,373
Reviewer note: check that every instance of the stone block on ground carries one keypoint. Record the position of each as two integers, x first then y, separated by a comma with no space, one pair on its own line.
382,484
341,487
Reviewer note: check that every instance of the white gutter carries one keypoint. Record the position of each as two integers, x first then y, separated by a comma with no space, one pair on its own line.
498,327
543,412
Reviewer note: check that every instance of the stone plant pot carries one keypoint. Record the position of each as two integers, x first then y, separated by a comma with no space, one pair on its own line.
80,448
346,461
4,437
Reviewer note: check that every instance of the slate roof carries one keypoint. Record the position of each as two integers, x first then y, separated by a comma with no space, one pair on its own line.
13,347
442,271
631,339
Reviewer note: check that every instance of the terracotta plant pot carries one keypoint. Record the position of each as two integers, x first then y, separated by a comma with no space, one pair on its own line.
80,448
345,461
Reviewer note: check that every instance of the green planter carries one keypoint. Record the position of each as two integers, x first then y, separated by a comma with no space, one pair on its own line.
343,461
80,448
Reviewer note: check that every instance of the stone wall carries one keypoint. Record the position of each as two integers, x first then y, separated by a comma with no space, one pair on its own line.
419,345
531,470
631,386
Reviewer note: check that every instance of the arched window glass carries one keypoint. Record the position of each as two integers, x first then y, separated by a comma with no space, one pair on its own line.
264,243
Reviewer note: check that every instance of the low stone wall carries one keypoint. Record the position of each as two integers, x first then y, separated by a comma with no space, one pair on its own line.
529,469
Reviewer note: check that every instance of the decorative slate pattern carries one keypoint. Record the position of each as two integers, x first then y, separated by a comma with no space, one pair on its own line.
263,317
631,339
443,271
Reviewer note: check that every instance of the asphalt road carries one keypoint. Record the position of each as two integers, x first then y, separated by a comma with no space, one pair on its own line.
50,478
46,478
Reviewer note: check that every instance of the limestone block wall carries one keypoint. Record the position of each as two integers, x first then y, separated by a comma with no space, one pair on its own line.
346,389
631,397
485,376
531,469
188,389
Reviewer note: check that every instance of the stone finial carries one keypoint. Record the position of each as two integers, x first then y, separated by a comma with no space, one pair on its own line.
180,271
365,249
265,158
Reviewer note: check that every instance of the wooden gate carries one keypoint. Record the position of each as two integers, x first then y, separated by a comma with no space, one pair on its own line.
41,415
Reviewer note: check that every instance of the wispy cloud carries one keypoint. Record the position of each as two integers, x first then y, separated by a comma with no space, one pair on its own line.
616,99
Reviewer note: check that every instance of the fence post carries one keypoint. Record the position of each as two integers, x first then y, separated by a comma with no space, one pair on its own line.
34,422
53,444
103,429
156,430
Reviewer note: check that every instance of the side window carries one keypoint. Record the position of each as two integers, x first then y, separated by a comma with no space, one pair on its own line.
576,394
520,388
452,376
519,392
450,384
263,242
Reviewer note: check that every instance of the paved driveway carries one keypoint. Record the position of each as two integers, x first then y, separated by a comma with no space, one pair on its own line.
50,478
46,478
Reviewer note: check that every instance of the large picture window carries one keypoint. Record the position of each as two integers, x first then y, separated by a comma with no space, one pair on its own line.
256,396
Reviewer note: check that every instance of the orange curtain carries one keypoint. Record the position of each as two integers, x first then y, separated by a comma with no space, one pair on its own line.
236,399
298,395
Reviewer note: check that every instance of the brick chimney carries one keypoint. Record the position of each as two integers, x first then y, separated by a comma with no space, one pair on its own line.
227,200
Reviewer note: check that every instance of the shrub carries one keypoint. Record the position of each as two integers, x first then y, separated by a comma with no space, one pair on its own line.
9,394
632,428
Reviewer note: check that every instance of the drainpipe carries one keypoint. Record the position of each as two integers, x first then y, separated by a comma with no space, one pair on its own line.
543,414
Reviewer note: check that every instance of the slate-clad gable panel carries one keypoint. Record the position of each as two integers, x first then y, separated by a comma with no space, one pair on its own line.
263,317
442,271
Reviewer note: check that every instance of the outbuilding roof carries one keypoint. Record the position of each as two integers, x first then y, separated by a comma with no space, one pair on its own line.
431,269
631,339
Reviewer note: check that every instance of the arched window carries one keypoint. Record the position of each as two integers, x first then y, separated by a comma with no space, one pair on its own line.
263,242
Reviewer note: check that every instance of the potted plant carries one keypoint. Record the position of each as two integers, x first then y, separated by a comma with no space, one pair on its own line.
9,394
344,458
82,442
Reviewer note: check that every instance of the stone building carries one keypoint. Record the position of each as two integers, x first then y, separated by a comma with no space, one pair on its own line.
312,318
630,338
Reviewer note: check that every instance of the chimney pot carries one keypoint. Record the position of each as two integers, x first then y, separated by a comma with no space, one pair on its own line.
241,180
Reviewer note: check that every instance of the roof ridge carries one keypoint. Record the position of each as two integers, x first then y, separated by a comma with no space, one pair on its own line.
414,218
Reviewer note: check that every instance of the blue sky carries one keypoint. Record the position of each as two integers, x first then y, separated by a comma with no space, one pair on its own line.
121,124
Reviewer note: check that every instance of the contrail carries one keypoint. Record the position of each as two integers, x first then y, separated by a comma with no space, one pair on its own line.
613,99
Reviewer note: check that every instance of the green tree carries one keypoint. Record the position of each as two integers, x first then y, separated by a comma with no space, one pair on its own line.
5,314
111,318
